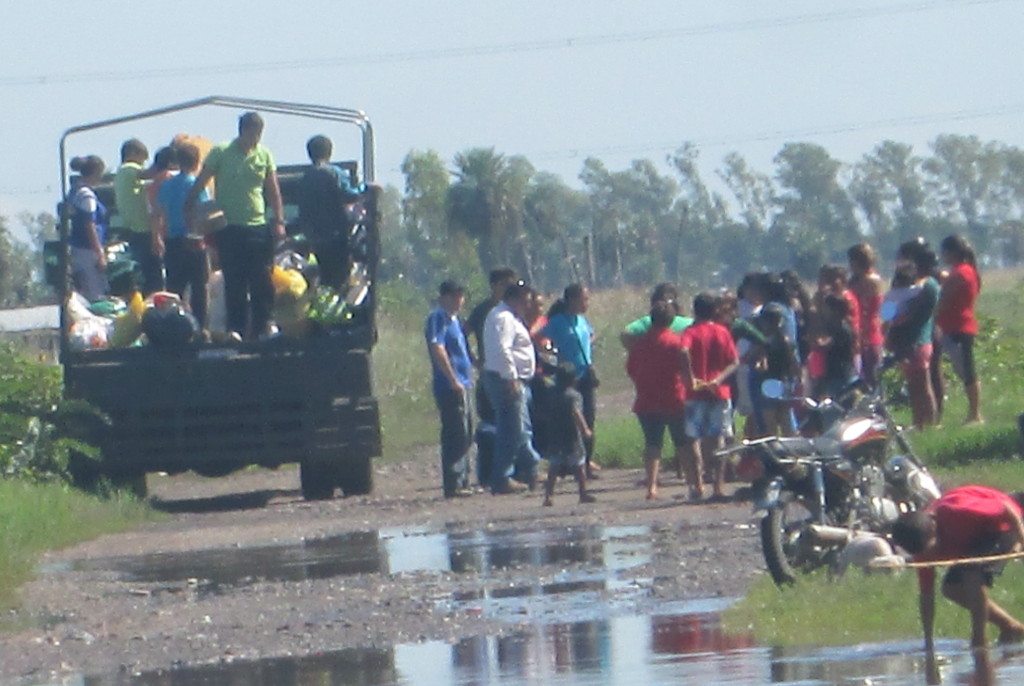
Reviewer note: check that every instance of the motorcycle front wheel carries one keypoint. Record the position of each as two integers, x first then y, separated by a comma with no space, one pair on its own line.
787,550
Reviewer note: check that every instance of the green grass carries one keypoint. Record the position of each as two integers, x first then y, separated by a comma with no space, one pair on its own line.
619,443
39,517
857,608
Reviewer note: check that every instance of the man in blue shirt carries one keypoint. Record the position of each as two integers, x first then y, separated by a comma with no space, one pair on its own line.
453,381
572,335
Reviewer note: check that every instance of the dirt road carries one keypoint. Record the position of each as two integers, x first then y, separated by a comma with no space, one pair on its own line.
242,568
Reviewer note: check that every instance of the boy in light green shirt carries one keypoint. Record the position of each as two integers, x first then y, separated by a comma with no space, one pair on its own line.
133,212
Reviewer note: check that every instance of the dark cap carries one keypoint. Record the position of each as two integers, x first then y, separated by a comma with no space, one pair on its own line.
451,287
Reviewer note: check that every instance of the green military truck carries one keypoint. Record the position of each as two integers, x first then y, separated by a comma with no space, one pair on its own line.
218,407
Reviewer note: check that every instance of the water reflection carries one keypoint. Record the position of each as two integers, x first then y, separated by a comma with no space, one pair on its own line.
388,552
577,622
688,647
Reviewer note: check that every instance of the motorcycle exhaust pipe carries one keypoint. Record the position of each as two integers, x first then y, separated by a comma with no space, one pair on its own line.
828,535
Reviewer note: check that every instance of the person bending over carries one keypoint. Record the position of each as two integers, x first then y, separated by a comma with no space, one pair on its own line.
970,521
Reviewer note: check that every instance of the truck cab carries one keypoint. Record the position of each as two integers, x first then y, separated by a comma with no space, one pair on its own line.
216,407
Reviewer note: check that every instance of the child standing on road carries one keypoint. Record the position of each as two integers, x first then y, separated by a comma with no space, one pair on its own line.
710,360
567,451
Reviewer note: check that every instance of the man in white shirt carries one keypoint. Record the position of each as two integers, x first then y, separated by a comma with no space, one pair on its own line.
509,365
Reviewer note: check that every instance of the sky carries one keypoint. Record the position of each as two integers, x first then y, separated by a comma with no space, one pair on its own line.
556,81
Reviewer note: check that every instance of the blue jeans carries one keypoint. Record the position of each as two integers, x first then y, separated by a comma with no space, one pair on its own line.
513,447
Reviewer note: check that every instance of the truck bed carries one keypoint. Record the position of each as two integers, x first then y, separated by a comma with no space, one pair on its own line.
214,410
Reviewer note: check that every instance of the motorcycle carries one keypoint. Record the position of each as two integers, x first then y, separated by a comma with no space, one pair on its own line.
857,473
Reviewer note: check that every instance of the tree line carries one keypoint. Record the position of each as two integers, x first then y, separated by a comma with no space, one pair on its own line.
641,225
648,222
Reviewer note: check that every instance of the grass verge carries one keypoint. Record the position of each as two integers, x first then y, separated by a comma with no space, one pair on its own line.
39,517
855,609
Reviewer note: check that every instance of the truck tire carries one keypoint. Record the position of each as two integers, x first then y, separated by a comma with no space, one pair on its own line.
132,483
355,475
317,479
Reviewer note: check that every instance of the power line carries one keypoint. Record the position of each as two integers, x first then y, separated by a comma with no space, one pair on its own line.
567,43
716,141
762,136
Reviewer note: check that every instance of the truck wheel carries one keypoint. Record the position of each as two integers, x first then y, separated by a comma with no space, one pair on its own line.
317,480
356,476
132,483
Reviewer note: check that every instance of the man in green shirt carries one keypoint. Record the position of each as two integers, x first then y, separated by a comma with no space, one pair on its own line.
663,292
246,181
133,212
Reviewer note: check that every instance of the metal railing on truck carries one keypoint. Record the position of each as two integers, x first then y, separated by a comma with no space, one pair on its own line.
311,111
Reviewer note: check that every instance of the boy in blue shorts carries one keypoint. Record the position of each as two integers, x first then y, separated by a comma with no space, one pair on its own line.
710,360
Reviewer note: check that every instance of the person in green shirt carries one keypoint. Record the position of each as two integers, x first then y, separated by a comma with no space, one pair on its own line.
246,181
133,213
663,292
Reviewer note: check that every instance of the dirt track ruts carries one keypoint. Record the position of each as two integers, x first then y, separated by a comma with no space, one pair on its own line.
94,622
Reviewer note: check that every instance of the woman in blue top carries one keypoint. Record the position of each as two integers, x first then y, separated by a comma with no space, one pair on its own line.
88,230
915,329
572,335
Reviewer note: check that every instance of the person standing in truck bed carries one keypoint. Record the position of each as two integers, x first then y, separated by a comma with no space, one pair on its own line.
185,255
246,179
133,211
325,193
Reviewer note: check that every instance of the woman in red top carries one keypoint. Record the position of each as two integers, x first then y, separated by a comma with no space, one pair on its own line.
655,366
866,285
955,317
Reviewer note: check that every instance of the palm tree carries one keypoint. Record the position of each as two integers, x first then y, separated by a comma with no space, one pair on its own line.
486,202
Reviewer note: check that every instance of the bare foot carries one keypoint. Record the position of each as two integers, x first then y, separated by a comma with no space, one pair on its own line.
652,495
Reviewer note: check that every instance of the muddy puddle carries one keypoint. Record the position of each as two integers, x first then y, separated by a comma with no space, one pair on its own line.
387,551
588,618
685,645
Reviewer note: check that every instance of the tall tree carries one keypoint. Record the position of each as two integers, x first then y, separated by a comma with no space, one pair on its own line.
752,190
965,175
486,203
424,221
557,220
632,211
690,247
816,220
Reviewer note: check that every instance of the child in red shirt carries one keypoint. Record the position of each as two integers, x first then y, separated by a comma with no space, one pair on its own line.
970,521
711,358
